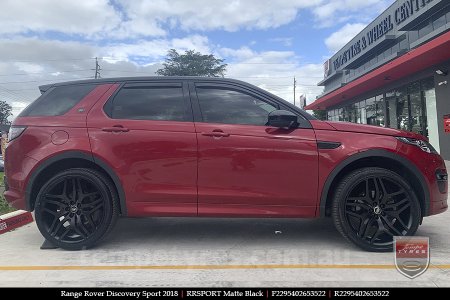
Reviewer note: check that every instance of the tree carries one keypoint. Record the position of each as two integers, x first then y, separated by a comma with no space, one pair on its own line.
192,64
320,114
5,112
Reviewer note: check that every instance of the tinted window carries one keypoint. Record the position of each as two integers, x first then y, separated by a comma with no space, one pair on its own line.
149,103
232,107
58,101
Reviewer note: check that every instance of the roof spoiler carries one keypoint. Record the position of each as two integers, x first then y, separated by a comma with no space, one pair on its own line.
44,88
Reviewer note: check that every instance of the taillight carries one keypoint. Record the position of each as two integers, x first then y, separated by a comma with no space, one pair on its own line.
15,132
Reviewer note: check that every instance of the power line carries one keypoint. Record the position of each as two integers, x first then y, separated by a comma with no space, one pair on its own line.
272,77
125,59
27,89
8,91
38,60
54,80
289,85
8,94
125,71
243,77
45,73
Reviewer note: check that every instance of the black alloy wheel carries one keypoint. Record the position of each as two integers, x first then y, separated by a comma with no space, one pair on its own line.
372,205
76,208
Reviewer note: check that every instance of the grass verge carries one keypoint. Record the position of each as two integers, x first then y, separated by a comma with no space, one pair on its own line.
4,206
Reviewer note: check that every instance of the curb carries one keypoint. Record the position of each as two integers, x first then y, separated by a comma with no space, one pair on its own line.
14,220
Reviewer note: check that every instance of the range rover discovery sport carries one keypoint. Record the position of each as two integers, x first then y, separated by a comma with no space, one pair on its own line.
86,152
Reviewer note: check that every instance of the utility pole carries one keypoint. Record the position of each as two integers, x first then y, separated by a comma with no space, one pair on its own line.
97,69
295,85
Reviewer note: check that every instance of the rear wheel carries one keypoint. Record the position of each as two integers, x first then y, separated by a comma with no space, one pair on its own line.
76,208
372,205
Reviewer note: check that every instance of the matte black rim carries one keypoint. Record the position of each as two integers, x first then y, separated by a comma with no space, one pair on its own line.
378,208
72,209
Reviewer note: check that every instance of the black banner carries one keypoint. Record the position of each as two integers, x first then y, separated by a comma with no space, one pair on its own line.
191,293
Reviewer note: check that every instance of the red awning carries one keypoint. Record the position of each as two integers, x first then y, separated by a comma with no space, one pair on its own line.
416,60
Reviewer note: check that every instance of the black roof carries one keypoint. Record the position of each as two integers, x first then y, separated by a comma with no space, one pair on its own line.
45,87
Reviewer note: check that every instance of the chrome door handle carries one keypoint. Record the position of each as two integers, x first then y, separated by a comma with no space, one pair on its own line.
115,129
216,134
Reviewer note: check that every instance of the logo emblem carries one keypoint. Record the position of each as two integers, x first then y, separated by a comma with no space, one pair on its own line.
412,255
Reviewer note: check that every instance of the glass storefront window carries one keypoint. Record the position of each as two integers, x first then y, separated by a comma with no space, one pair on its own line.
380,105
391,109
345,114
411,107
402,109
431,121
352,113
362,112
371,111
416,108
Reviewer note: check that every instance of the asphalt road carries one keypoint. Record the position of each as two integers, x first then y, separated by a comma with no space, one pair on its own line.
218,252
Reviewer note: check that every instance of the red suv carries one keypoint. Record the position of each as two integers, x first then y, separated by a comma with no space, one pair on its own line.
86,152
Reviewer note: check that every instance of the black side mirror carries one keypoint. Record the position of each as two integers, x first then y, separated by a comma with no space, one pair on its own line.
282,119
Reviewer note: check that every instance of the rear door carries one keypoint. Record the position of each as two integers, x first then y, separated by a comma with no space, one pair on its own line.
246,167
145,132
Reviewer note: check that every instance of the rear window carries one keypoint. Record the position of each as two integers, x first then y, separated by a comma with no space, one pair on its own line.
57,101
150,103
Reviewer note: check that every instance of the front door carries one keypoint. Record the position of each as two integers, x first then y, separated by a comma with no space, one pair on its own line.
246,168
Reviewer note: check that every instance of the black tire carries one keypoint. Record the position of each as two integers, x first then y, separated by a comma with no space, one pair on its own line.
371,205
76,208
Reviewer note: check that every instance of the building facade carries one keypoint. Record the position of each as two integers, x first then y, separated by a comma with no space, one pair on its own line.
395,73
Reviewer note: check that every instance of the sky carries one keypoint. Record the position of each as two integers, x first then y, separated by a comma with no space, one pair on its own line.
264,42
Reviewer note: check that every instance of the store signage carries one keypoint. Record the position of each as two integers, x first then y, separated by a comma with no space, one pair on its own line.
447,123
406,10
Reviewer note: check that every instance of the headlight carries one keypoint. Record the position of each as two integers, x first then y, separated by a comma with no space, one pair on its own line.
423,145
15,132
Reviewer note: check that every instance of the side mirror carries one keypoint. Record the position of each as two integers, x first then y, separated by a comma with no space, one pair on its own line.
282,119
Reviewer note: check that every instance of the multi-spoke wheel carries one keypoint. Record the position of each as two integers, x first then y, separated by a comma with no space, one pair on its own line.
371,205
76,208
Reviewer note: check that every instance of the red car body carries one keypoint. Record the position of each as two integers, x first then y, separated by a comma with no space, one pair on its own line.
169,168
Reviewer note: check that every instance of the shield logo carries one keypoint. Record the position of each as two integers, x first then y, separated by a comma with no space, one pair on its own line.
412,255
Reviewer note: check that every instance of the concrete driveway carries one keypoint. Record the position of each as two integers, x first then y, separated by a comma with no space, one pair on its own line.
218,252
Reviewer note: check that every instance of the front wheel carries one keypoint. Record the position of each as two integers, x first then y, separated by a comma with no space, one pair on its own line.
372,205
76,208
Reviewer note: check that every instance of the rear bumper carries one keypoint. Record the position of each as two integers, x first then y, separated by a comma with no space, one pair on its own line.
17,171
15,199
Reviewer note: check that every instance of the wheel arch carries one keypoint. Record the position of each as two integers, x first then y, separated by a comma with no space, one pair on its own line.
65,160
376,158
